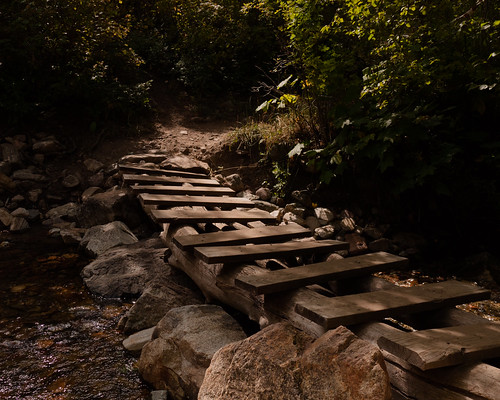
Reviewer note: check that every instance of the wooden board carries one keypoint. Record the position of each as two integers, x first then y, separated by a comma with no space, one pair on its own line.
435,348
292,278
186,190
203,216
373,306
155,171
226,254
203,201
256,235
171,180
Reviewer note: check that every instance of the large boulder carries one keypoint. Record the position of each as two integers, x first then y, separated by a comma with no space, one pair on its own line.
161,295
100,238
183,345
115,204
281,362
126,270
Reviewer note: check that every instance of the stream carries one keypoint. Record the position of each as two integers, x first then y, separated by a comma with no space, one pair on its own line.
57,341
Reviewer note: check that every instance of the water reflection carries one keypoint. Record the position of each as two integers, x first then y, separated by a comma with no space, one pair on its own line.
56,341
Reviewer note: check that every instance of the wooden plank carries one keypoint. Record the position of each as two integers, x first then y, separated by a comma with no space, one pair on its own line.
364,307
226,254
200,216
203,201
171,180
443,347
472,381
155,171
185,190
292,278
242,236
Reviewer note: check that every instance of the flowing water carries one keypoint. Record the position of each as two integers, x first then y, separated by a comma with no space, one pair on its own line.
56,340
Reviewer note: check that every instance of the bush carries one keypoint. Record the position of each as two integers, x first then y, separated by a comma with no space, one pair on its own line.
64,54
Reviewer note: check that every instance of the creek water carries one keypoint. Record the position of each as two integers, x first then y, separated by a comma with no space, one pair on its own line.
56,340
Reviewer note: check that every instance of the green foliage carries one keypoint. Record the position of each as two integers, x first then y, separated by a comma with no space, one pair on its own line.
64,54
407,90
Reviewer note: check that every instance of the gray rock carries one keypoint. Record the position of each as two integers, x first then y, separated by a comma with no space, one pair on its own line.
325,232
333,257
100,238
282,362
357,244
183,344
19,224
48,146
20,212
5,217
136,341
27,175
264,194
7,183
278,214
33,214
372,232
161,295
312,223
291,217
143,158
247,194
234,182
127,270
109,206
18,198
381,244
93,165
346,214
348,224
71,236
70,181
34,195
11,154
96,179
159,395
90,192
324,215
68,211
296,209
186,164
265,205
39,159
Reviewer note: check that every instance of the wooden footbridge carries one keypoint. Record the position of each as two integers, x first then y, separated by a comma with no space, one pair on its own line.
240,256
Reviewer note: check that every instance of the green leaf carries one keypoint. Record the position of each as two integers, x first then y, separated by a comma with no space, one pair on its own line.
284,82
263,107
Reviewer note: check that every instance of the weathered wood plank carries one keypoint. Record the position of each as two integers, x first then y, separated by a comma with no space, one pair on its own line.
204,201
364,307
280,280
226,254
256,235
435,348
155,171
197,216
184,190
171,180
471,381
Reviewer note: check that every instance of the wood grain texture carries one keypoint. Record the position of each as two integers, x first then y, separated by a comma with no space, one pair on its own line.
171,180
184,190
156,171
465,382
280,280
201,216
227,254
435,348
373,306
245,235
165,200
